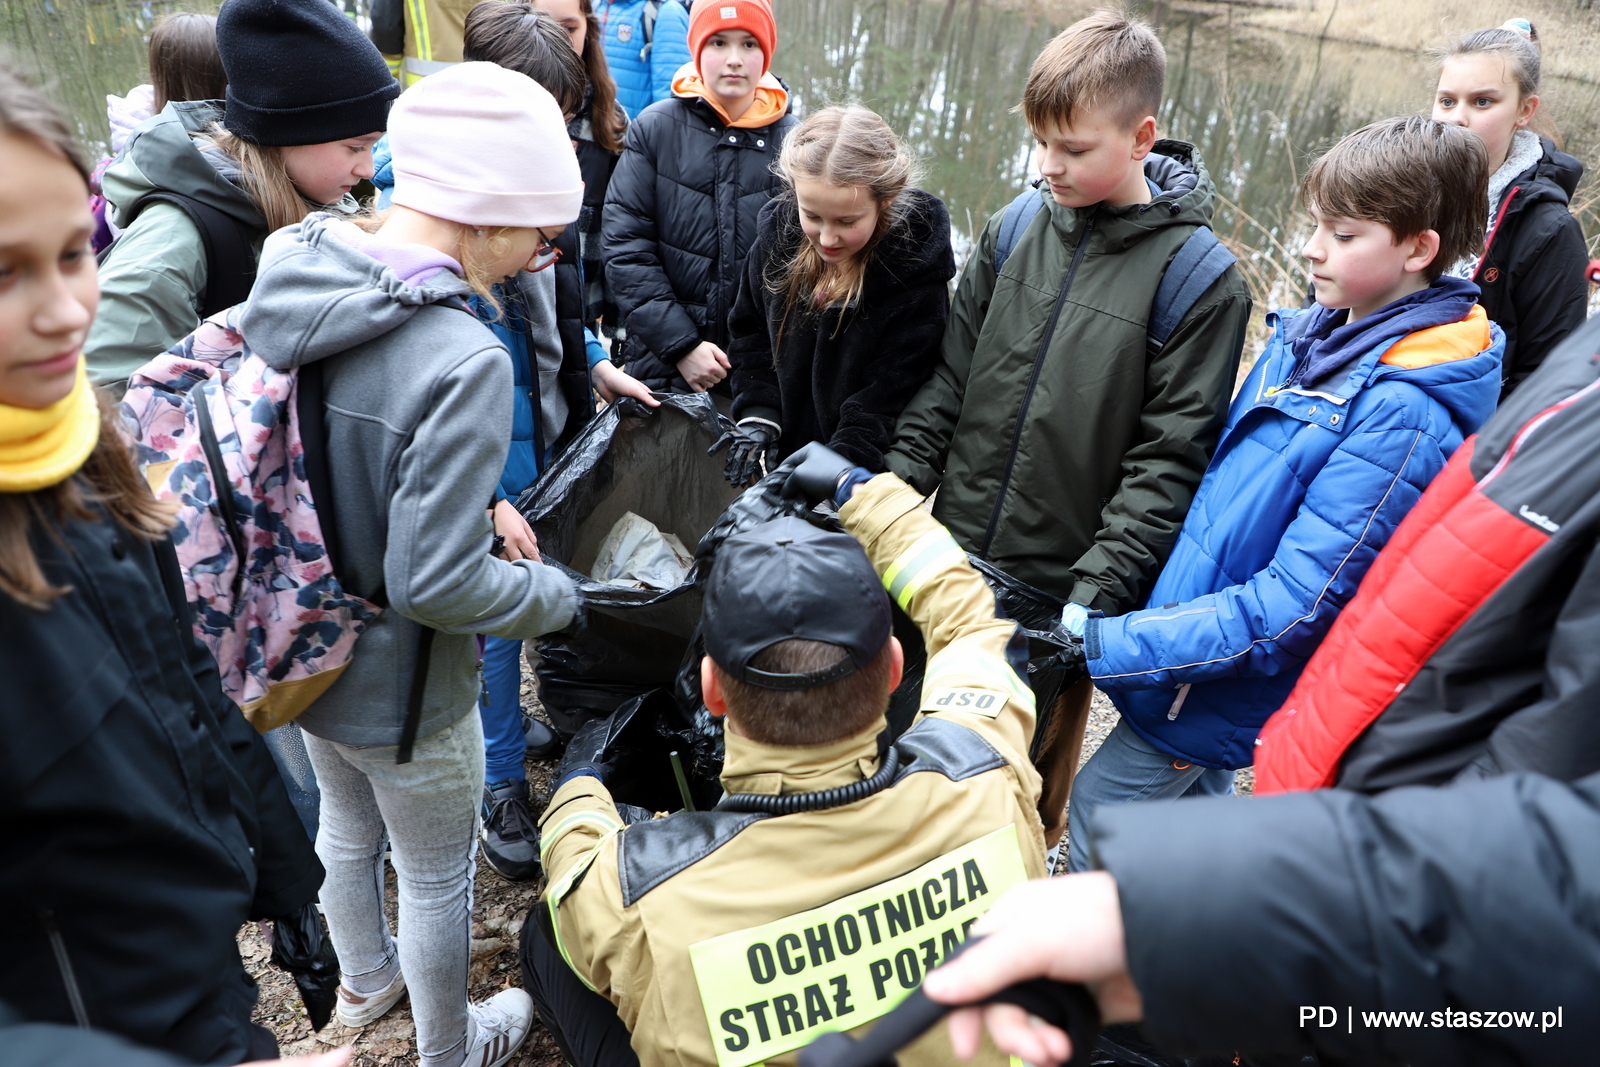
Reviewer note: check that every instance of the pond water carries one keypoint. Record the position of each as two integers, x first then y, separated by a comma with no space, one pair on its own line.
946,73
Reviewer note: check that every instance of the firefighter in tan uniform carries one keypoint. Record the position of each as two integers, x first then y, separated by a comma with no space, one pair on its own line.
433,34
828,881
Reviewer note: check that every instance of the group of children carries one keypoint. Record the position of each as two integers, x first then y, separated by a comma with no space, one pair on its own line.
1201,549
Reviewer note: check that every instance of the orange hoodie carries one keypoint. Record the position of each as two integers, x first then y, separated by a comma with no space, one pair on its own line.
771,101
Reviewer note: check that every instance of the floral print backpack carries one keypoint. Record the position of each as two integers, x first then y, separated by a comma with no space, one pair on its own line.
223,434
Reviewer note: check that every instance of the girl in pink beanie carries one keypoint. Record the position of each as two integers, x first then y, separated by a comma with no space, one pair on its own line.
417,408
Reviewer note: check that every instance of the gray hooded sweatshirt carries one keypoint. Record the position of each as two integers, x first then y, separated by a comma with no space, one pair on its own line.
418,405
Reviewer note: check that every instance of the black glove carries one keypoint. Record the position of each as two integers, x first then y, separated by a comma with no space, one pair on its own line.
814,472
585,754
749,444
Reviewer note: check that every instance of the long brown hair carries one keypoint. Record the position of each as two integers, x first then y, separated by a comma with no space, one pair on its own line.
840,146
607,120
184,63
518,36
109,477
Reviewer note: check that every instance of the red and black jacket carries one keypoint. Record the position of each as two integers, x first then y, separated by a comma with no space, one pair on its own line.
1473,646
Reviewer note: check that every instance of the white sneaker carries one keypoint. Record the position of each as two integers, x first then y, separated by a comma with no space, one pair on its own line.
358,1011
501,1025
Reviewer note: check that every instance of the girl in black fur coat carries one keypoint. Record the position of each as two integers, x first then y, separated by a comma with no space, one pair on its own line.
843,300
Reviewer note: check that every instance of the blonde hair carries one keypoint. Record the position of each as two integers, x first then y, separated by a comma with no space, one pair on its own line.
474,271
1105,59
843,146
265,178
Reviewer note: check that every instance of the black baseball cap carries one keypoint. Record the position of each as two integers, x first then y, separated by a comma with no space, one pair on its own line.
789,579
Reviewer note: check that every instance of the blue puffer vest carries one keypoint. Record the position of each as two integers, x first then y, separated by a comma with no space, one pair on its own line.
1317,465
643,70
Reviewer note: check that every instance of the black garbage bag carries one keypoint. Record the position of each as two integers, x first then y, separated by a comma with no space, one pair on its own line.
300,946
1039,616
635,745
652,462
761,503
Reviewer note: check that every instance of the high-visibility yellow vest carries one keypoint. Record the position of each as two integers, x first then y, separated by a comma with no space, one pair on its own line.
434,32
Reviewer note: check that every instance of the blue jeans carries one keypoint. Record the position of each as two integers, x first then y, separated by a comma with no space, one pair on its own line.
1128,768
504,746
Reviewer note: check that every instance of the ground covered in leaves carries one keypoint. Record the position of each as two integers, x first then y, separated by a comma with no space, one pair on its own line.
499,908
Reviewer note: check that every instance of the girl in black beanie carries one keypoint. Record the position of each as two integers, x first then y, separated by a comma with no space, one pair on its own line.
198,187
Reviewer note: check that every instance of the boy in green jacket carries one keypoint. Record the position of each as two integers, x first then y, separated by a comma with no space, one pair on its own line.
1071,462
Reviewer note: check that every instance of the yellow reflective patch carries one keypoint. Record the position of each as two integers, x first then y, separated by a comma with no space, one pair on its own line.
601,823
978,701
928,555
775,987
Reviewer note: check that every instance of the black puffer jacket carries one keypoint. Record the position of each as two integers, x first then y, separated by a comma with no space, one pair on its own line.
1531,273
680,216
142,820
842,376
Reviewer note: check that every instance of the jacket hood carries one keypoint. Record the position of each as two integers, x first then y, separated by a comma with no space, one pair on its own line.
1439,340
1187,198
161,155
770,105
1554,177
316,296
915,252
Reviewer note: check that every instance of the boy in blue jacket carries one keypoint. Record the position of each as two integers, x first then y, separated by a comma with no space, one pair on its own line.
1354,406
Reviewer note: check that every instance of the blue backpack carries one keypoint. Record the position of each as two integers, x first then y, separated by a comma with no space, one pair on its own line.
1199,263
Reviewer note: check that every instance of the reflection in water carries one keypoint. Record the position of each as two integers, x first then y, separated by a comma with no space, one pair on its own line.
81,50
946,73
1259,105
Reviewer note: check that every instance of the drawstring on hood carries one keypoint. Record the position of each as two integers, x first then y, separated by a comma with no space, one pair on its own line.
317,296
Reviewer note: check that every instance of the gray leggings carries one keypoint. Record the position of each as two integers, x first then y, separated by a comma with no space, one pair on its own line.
428,809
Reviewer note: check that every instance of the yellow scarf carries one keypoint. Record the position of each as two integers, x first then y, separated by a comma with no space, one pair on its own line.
41,447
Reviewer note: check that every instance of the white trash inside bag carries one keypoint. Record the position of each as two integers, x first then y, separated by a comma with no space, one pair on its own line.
637,555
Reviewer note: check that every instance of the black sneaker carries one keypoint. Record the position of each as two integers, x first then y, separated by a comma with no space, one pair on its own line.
510,836
543,742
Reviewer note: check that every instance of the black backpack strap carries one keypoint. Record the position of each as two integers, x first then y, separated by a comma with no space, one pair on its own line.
221,485
1196,267
310,396
230,259
419,685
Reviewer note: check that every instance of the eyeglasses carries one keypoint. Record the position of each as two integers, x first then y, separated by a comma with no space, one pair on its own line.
544,256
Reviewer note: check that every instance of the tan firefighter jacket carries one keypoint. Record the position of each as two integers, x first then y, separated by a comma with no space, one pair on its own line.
731,938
